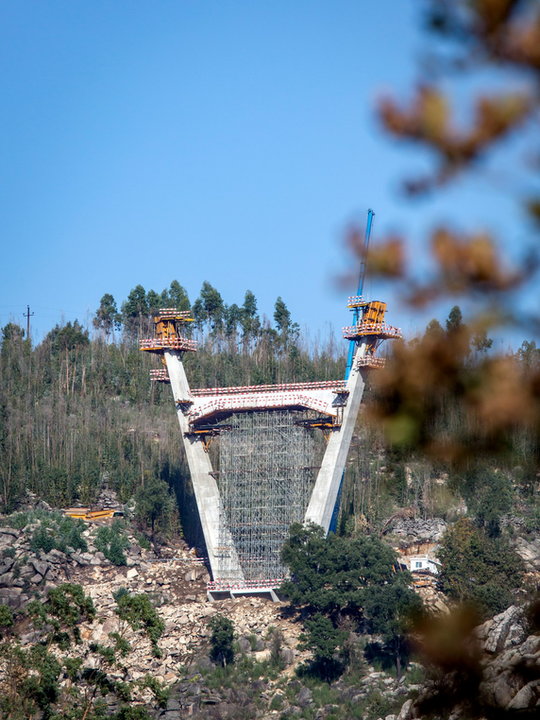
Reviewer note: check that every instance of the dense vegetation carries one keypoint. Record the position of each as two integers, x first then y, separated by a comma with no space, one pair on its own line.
80,413
43,680
337,578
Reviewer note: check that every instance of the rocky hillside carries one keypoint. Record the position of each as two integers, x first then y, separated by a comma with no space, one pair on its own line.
174,676
111,661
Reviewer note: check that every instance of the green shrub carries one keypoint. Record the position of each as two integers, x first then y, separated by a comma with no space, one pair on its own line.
158,689
143,541
276,703
50,530
72,668
276,645
20,520
478,569
70,534
42,539
155,507
221,640
140,614
532,520
121,645
112,541
6,617
132,712
65,608
39,683
123,690
323,639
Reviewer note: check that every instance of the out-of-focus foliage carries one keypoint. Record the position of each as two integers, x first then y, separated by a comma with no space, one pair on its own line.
493,398
501,34
448,398
460,682
496,398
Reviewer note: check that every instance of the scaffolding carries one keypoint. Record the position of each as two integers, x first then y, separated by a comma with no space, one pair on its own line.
265,477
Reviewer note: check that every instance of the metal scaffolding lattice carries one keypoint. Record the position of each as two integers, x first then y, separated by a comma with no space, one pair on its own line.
266,475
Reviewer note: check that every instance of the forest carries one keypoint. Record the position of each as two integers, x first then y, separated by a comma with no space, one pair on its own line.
79,412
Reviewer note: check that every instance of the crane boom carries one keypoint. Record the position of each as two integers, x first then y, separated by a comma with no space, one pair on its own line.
361,280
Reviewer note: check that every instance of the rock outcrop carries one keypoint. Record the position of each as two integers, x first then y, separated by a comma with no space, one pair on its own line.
502,680
529,551
416,531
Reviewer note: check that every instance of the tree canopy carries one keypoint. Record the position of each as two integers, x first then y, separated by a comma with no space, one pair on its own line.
339,576
477,569
335,574
67,337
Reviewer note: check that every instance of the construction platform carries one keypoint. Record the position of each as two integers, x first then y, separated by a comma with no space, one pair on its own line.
266,476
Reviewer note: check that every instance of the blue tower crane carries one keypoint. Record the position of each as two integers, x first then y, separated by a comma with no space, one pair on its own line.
352,344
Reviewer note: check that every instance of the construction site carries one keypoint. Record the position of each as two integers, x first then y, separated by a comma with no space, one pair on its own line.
263,457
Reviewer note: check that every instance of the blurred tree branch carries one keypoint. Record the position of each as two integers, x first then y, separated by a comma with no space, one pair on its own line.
436,395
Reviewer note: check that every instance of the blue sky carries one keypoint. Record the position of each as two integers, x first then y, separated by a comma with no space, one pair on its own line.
220,140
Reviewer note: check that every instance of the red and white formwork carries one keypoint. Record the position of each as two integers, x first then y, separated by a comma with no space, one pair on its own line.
317,396
381,331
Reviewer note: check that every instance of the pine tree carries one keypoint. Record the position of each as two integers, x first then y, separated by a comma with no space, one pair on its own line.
135,312
454,323
107,317
177,296
221,640
214,308
249,319
282,317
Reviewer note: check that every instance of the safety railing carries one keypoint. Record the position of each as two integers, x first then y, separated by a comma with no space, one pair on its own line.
370,362
227,586
283,387
159,375
380,330
174,314
356,301
161,344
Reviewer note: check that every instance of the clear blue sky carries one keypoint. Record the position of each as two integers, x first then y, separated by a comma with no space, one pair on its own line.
229,141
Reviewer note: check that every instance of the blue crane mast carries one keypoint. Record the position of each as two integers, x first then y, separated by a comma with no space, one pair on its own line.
360,291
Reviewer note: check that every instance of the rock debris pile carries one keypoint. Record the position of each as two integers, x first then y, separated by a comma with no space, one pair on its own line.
175,582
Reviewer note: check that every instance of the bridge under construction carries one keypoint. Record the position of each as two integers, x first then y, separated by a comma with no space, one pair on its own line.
266,477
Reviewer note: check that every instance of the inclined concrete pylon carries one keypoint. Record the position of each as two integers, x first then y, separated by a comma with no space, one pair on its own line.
325,491
205,487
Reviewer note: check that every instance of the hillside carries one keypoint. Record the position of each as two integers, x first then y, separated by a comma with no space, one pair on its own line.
112,620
